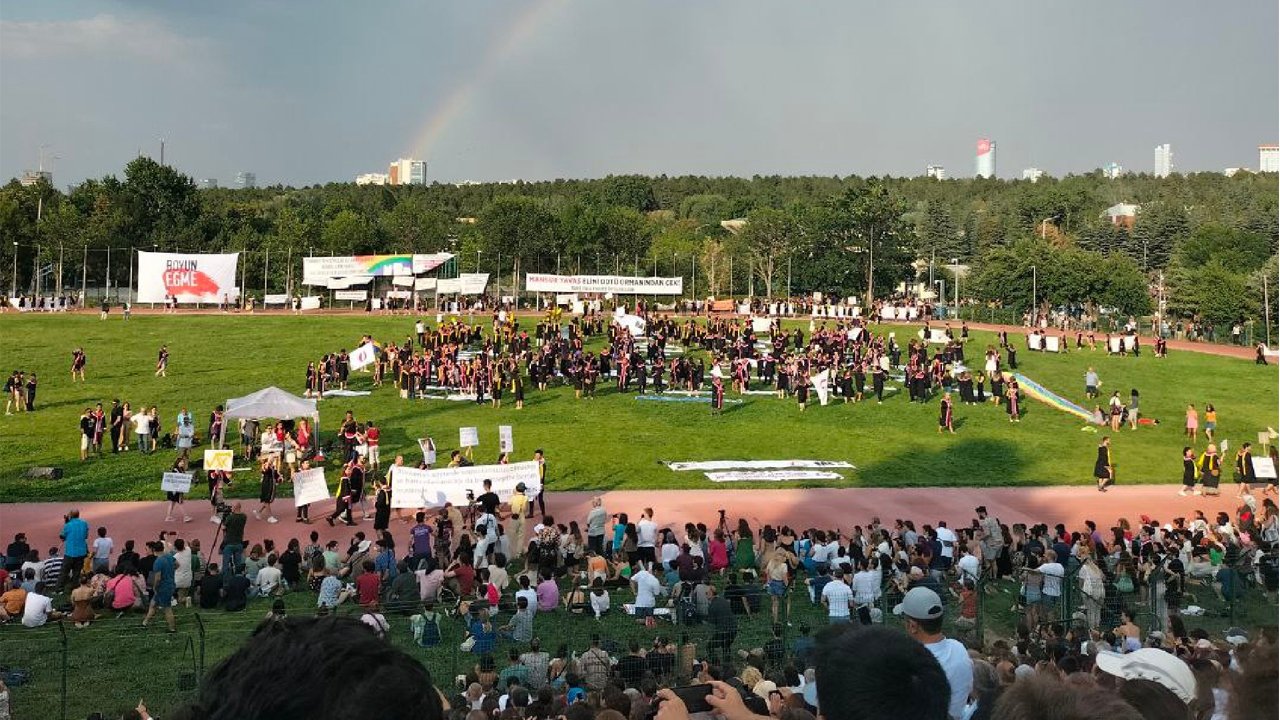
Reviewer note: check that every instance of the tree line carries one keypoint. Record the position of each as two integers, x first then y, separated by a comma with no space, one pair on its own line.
1208,240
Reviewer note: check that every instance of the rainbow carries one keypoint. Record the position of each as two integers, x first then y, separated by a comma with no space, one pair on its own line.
1039,392
457,101
386,264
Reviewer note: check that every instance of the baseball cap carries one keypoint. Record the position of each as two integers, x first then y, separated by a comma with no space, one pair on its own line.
1151,664
920,603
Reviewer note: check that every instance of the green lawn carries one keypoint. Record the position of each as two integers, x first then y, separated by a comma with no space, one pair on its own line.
610,442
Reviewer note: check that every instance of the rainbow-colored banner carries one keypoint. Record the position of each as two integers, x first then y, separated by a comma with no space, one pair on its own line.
319,270
1039,392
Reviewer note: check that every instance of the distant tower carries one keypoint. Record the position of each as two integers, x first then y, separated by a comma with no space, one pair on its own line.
246,180
1112,170
937,172
986,161
1164,160
1269,158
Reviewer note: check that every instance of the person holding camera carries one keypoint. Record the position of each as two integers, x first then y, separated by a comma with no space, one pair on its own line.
232,547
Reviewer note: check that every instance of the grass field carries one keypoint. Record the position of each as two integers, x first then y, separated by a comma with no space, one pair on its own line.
610,442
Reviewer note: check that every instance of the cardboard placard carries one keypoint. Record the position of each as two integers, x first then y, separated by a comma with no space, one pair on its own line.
219,459
175,482
505,442
468,437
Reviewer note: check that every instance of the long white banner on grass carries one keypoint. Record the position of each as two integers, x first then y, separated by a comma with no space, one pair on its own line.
192,277
757,464
771,475
541,282
414,488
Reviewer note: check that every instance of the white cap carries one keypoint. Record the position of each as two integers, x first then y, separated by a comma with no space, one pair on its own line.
1151,664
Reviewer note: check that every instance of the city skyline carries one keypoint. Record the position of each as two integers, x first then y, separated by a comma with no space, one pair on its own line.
564,89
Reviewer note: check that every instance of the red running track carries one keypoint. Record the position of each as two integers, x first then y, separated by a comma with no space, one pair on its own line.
823,507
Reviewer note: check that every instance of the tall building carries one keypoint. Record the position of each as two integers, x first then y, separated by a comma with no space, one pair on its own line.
246,180
937,172
1112,170
1269,158
372,179
1164,160
1032,174
209,184
33,177
407,171
986,161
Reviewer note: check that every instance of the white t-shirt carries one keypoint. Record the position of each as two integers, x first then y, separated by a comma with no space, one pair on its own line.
102,548
377,621
36,612
599,603
646,533
866,586
969,567
532,595
948,540
141,424
670,551
1052,573
838,595
958,667
647,588
269,579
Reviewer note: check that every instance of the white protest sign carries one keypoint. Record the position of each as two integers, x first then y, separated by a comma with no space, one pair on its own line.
468,437
363,355
505,442
414,488
1264,468
428,447
760,324
309,487
1052,344
176,482
310,302
219,459
821,385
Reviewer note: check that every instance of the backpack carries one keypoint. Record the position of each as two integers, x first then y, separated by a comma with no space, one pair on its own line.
686,608
426,629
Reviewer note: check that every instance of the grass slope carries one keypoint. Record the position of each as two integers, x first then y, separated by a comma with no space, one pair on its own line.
612,441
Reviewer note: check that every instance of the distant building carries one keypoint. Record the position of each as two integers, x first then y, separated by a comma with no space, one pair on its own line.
373,179
1163,160
32,177
986,159
1032,174
246,180
1122,214
406,171
1231,172
1269,158
1112,170
209,184
937,172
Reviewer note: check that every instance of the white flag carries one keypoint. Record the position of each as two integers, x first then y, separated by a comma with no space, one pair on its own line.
820,385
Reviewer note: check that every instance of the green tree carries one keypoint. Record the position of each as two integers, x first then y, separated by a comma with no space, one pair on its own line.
412,225
869,220
346,233
769,236
519,227
1237,250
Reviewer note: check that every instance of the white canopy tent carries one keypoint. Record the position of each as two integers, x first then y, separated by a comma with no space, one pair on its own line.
271,402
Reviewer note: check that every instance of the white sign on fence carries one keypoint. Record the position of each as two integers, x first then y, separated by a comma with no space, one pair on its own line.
414,488
541,282
358,295
468,437
505,442
311,302
275,299
175,482
309,487
192,277
219,459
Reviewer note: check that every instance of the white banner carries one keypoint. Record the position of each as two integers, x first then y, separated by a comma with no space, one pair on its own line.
566,298
193,277
319,270
424,284
540,282
360,295
760,324
633,323
311,302
771,475
341,283
400,294
468,437
464,284
403,281
276,299
414,488
428,447
506,443
756,464
175,482
821,385
362,356
309,487
219,459
1264,468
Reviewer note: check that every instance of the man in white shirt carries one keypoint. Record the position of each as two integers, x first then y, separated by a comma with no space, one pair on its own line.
646,538
527,592
270,578
921,611
866,585
647,588
948,540
38,610
837,596
102,548
968,566
142,426
1053,573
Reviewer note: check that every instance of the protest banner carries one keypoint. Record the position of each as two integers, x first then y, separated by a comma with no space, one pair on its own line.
275,299
309,487
771,475
1264,468
362,356
219,459
310,302
175,482
318,270
760,324
192,277
542,282
414,488
756,464
468,437
428,447
505,441
354,295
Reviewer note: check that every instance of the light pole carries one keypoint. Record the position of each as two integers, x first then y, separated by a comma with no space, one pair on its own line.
1044,225
955,281
1033,295
13,289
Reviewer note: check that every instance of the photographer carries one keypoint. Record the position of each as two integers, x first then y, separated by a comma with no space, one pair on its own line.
232,547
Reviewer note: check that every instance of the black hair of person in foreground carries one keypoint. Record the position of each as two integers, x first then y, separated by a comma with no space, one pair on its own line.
878,673
325,668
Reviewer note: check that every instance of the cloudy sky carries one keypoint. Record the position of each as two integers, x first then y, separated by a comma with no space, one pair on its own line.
318,91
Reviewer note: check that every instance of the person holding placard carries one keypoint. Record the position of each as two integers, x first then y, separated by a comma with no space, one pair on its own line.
175,498
1244,473
267,488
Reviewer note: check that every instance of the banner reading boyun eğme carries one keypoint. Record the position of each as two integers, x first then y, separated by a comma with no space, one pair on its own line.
192,277
599,284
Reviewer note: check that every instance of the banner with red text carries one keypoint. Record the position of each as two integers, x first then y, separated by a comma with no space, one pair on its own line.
192,277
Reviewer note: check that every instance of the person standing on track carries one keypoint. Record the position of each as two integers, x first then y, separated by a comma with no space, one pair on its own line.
1104,470
945,418
541,459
